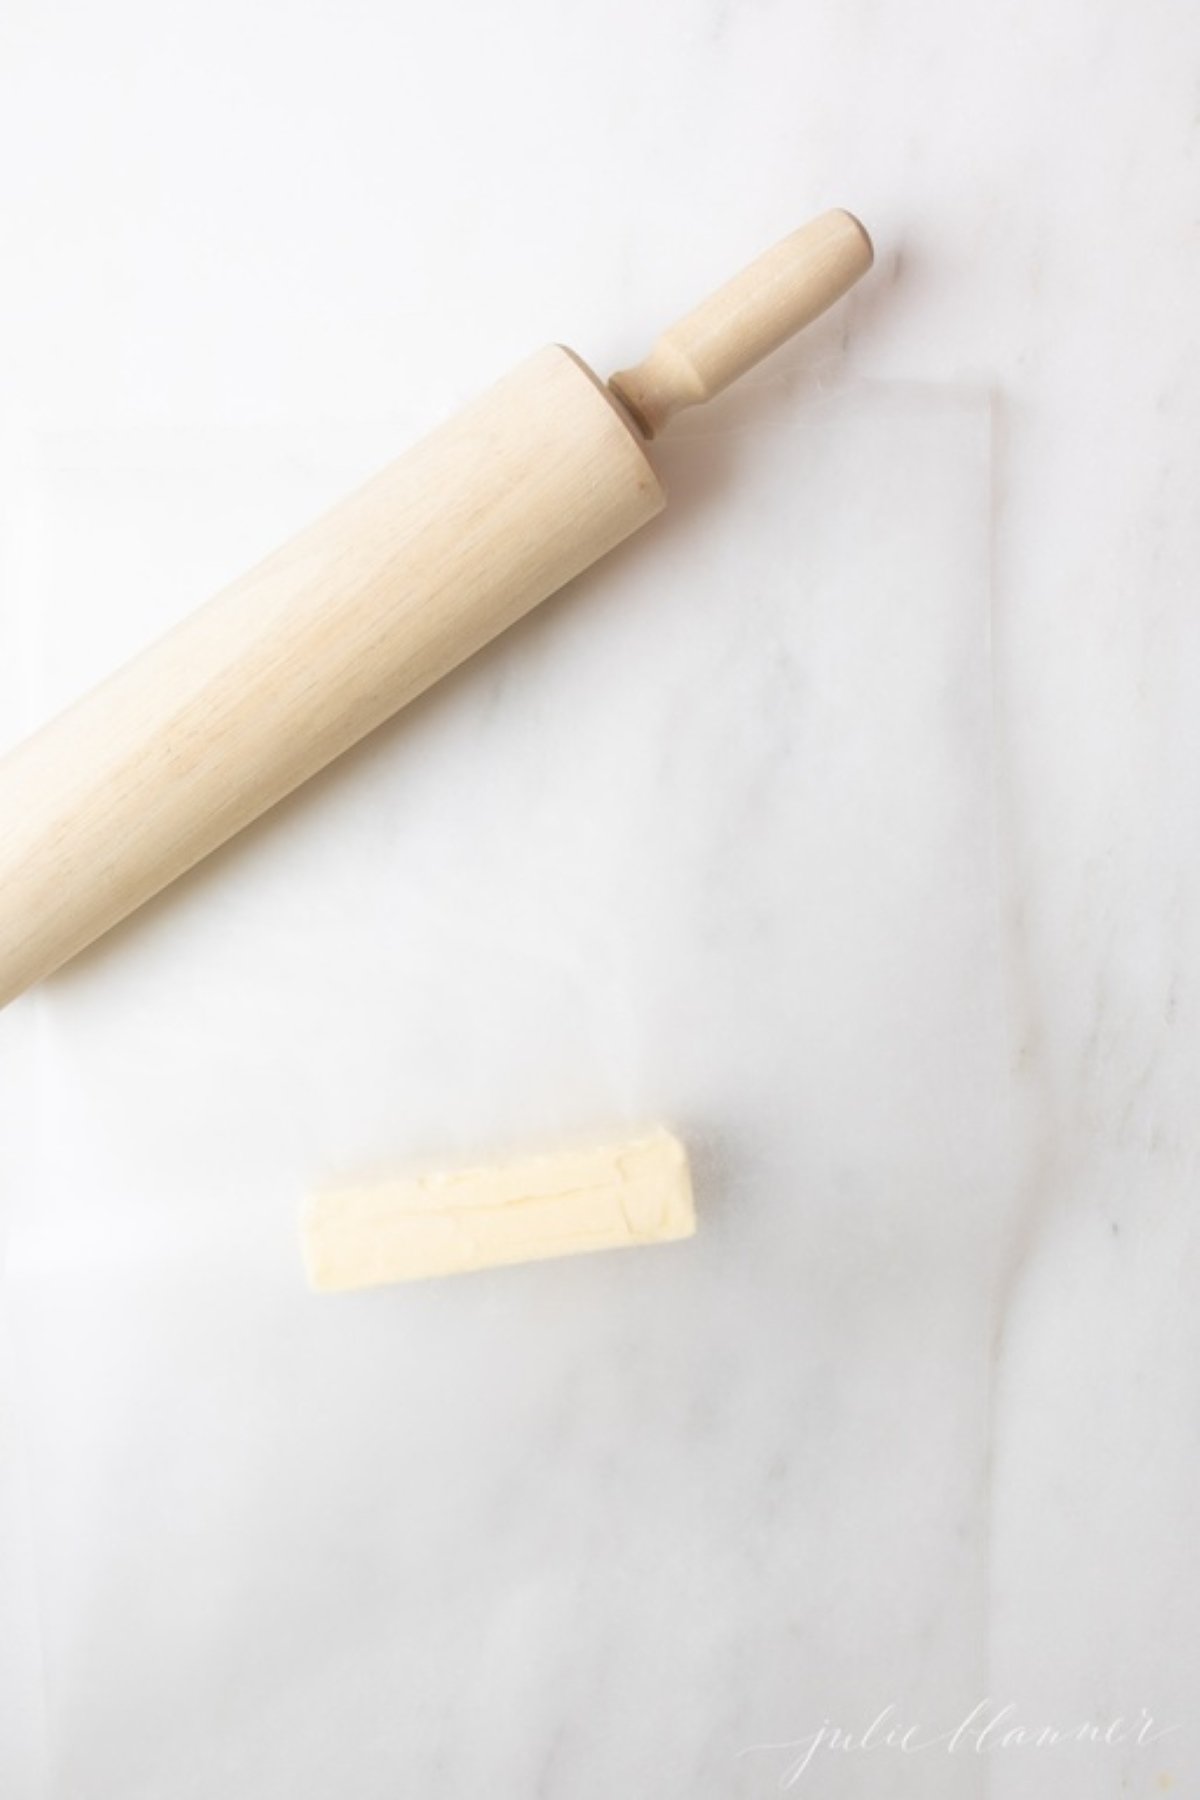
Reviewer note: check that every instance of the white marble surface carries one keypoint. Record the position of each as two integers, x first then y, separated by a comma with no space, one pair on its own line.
763,830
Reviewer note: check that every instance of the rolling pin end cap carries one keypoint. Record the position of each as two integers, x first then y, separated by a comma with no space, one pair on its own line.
865,236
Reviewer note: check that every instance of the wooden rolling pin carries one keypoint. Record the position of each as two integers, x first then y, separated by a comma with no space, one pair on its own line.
332,634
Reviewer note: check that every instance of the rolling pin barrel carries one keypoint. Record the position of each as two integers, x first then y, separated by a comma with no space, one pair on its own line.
305,655
301,658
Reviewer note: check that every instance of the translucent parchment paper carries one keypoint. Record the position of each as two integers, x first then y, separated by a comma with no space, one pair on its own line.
707,840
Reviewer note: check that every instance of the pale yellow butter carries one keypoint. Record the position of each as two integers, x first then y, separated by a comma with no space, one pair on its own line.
636,1191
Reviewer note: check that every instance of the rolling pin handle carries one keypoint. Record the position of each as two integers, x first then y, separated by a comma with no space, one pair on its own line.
745,320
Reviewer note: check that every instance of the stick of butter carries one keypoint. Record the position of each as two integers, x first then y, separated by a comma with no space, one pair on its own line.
636,1191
